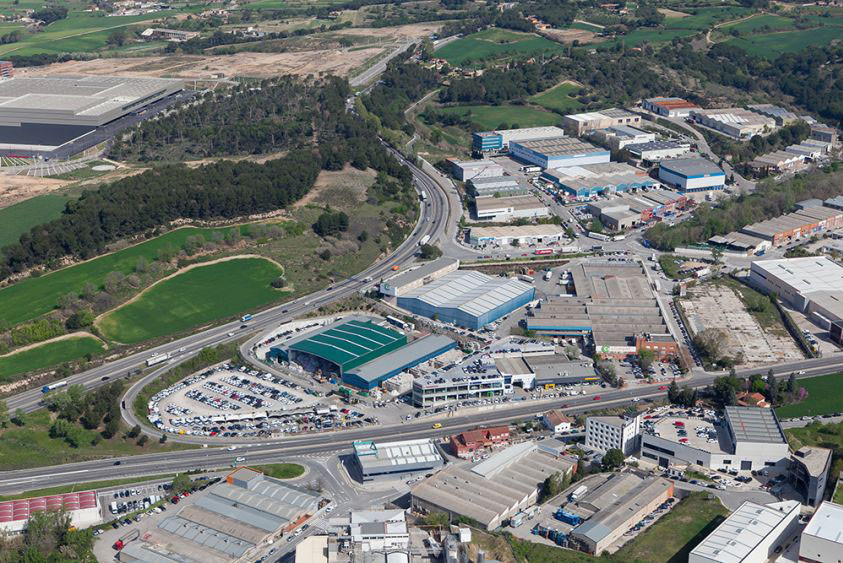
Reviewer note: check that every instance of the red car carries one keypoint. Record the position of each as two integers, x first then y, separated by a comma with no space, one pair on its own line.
596,398
663,388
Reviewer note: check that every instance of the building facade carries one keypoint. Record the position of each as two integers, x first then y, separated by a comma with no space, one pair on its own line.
604,433
558,152
692,174
377,461
669,107
822,538
808,472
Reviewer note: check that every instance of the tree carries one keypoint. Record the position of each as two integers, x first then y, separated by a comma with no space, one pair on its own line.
117,38
135,431
4,414
80,319
429,252
162,439
646,358
19,418
772,393
791,382
613,459
596,225
143,440
182,483
673,393
711,343
551,487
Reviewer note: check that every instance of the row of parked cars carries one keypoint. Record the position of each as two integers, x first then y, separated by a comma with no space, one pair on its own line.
647,520
266,392
237,395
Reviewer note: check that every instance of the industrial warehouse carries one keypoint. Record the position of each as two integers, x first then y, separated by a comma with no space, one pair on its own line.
670,107
83,509
658,150
495,489
689,175
492,208
376,461
745,438
497,186
417,276
522,235
41,114
468,299
613,304
228,521
580,123
488,141
558,152
583,182
737,123
472,169
630,210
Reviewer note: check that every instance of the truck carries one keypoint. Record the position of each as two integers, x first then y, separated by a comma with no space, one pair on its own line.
599,236
547,275
531,169
424,240
618,237
578,493
245,318
543,251
567,517
53,386
526,278
157,359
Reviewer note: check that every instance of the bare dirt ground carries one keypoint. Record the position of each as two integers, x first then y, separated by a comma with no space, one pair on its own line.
333,187
668,13
411,31
569,35
14,189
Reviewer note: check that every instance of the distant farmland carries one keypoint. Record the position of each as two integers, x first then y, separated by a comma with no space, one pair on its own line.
495,44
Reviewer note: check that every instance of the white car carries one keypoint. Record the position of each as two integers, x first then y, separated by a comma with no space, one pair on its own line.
329,509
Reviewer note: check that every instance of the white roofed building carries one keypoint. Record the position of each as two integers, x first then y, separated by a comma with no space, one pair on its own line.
822,538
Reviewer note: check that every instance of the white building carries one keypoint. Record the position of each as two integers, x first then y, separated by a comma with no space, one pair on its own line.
469,169
822,538
509,208
556,421
750,534
524,235
379,530
418,276
613,432
658,150
620,136
737,123
692,174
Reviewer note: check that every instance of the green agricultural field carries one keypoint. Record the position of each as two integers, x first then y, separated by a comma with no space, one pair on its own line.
47,355
755,23
824,394
771,45
33,297
706,17
495,44
586,27
642,35
492,117
19,218
197,296
558,98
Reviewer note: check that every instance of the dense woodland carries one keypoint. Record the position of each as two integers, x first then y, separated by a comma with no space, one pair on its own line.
48,538
400,85
769,200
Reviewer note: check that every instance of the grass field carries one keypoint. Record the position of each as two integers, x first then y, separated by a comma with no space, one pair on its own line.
495,44
558,98
48,355
771,45
33,297
19,218
755,23
586,27
706,17
492,117
816,434
281,470
641,36
85,487
198,296
824,394
30,445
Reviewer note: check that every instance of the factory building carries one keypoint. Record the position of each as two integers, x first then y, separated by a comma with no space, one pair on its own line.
372,374
495,489
630,210
524,235
580,123
417,276
692,174
670,107
619,503
781,116
496,141
808,472
378,461
658,150
605,433
738,123
583,182
807,149
83,509
228,522
558,152
621,136
468,299
499,186
41,114
466,443
466,170
777,162
822,538
824,133
341,346
800,224
746,438
753,533
504,209
811,285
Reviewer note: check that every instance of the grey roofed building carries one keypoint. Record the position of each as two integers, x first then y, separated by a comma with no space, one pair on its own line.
494,490
752,424
418,276
835,202
205,536
806,203
385,460
136,552
690,167
378,370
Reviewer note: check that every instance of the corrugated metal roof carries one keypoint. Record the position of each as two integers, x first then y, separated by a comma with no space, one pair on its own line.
751,424
474,293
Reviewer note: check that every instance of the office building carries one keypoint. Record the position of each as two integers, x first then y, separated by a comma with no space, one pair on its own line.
751,534
377,461
580,123
502,209
618,504
470,169
692,174
605,433
83,509
480,380
658,150
808,472
822,538
41,114
467,298
558,152
379,530
418,275
630,210
738,123
493,490
492,141
524,235
669,107
374,373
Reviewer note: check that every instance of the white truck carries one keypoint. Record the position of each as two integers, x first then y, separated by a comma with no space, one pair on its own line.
157,359
547,275
578,493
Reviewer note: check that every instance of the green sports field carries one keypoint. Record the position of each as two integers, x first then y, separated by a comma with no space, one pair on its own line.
19,218
492,117
771,45
495,44
33,297
48,355
824,394
558,98
200,295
